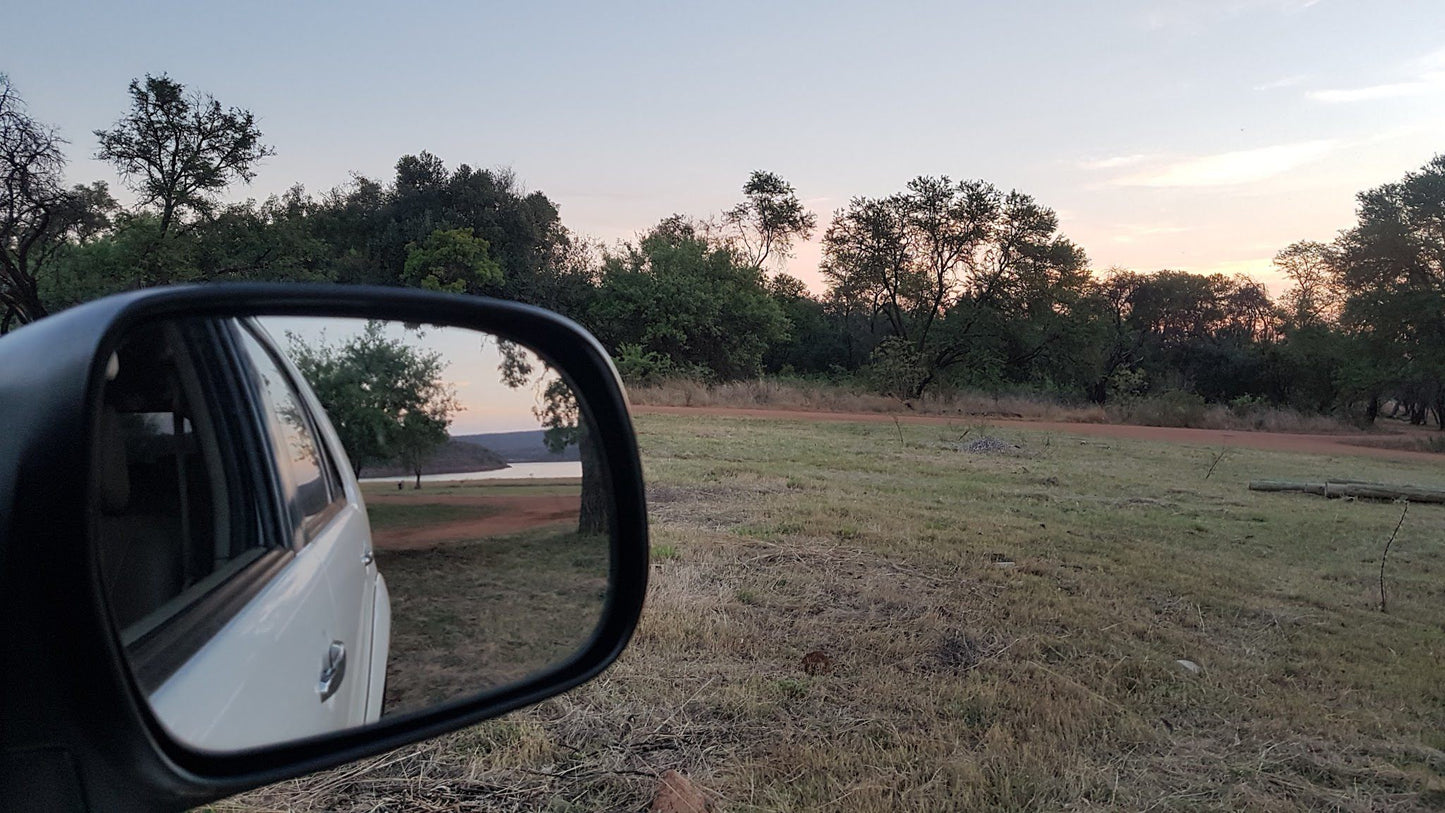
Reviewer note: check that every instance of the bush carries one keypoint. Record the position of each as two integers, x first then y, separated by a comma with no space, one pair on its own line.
1169,408
896,368
639,367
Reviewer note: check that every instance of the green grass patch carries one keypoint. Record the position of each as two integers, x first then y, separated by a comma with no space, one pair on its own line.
389,516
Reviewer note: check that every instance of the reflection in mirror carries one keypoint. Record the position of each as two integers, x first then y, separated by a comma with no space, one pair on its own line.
306,524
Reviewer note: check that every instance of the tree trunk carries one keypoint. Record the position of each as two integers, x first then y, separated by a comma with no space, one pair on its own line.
418,479
592,515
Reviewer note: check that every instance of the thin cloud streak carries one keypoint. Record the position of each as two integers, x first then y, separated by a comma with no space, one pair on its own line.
1232,168
1283,82
1427,84
1425,75
1114,162
1133,233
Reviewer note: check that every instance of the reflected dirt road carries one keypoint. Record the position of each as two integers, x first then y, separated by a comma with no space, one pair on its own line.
504,515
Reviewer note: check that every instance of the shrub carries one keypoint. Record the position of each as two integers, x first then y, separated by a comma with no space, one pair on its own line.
1169,408
639,367
897,368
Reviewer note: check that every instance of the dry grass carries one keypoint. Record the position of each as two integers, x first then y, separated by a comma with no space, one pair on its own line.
1001,631
1412,441
1167,410
767,393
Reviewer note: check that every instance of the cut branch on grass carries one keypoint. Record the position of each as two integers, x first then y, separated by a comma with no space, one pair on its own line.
1385,555
1217,458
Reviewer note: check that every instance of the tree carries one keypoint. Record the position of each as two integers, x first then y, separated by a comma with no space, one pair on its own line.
676,294
945,266
419,433
176,150
38,216
451,260
1391,274
564,424
1191,332
1312,298
373,228
817,338
767,220
387,400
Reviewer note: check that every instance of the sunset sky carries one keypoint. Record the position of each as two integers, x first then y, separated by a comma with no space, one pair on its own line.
1201,135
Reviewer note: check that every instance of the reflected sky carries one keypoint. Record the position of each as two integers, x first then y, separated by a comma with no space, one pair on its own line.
472,361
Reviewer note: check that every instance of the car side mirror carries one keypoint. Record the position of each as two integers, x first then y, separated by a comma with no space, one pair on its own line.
307,524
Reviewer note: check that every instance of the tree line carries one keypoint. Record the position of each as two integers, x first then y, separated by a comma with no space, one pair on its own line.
944,284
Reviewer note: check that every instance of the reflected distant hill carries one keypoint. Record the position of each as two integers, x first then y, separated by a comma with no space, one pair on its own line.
520,447
451,458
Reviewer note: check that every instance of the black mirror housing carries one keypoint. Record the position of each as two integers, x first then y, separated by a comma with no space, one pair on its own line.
75,731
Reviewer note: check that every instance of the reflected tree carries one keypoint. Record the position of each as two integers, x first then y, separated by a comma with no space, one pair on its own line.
387,401
564,424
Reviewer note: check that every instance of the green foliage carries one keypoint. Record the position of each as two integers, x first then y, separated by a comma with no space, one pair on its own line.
271,241
1127,382
1312,298
451,260
676,294
821,336
388,401
640,367
374,228
897,368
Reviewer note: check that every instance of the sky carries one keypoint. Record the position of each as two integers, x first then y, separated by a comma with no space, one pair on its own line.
1202,135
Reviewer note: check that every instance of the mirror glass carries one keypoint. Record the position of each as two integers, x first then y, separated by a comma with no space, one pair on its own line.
304,525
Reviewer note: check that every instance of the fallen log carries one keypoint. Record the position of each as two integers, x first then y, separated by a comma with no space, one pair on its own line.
1358,489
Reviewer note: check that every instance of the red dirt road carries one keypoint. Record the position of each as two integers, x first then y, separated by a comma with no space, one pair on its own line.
518,513
1267,441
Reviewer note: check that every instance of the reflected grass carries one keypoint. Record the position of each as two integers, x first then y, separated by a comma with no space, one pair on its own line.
386,516
475,615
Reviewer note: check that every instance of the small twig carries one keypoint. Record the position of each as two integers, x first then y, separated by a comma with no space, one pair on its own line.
1217,458
901,445
1386,554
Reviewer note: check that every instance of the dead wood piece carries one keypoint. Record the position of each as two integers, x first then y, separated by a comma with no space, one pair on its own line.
1353,488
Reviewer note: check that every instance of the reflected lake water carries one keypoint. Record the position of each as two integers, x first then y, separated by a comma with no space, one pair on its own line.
516,471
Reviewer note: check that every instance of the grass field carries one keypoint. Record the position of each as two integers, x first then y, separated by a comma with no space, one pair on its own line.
840,619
